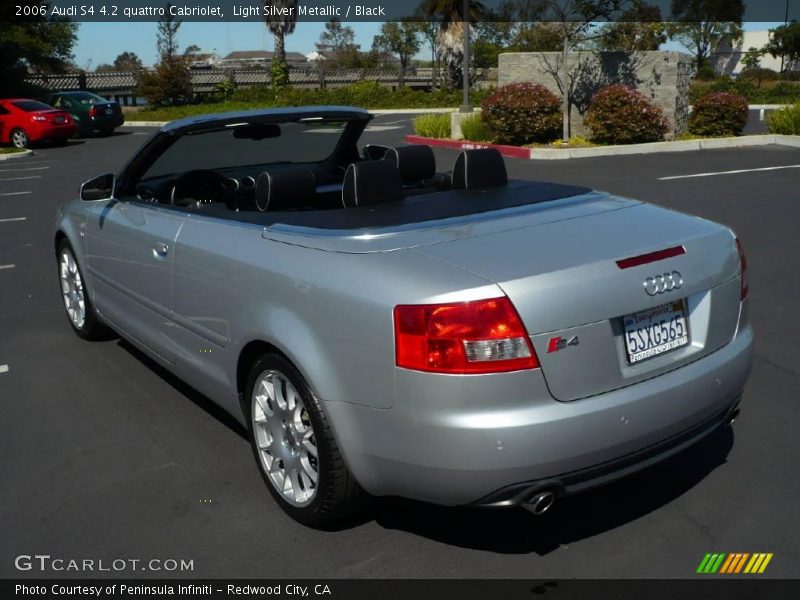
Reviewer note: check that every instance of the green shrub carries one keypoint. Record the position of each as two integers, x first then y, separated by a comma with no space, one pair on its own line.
473,129
759,74
783,92
433,125
619,114
705,73
785,121
719,114
790,75
521,113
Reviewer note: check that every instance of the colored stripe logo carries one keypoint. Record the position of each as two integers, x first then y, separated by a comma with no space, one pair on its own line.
734,563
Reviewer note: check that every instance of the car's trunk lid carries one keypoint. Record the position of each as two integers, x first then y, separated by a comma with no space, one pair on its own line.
566,284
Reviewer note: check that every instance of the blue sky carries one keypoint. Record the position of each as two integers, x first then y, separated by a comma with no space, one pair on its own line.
102,42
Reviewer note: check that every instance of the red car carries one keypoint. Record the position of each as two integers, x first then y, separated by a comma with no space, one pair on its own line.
23,122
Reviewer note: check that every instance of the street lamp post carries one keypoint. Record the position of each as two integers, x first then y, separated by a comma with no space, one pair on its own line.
466,107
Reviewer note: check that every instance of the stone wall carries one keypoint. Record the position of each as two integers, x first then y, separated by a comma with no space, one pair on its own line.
662,76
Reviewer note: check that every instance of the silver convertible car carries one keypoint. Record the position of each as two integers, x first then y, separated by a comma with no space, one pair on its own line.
385,327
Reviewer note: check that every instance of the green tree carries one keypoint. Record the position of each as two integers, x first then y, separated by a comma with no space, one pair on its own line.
450,37
751,59
785,42
338,41
128,62
536,37
104,68
639,28
170,81
429,29
700,25
399,39
32,44
280,25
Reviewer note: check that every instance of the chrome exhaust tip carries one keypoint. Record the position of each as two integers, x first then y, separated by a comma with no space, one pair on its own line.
540,502
732,416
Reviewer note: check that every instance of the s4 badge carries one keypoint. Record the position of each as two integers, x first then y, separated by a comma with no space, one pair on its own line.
559,343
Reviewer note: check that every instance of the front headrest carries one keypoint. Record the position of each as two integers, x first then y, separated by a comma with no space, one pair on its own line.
285,188
475,169
371,182
416,163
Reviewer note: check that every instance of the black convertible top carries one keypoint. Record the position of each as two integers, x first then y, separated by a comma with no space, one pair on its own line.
415,209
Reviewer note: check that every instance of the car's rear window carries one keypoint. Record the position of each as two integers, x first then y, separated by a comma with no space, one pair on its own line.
303,142
87,99
31,105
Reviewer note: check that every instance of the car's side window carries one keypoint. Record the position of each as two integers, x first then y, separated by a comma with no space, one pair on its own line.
56,103
3,110
66,103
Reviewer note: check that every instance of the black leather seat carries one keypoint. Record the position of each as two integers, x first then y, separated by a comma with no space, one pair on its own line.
416,163
476,169
371,182
285,189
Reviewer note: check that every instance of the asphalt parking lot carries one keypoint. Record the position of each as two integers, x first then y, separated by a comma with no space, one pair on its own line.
107,456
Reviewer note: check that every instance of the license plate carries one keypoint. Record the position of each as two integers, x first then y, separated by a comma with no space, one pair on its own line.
109,111
654,331
59,120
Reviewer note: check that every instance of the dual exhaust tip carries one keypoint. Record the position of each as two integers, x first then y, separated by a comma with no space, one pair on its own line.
540,502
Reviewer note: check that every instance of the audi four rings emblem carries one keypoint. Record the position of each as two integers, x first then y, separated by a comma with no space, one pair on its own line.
663,283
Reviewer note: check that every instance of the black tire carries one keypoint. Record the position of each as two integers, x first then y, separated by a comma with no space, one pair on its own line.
91,328
19,138
337,494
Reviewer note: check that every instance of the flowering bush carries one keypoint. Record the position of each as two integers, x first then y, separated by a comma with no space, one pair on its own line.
619,114
521,113
719,114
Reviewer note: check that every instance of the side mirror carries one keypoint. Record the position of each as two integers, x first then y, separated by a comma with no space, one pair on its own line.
99,188
374,151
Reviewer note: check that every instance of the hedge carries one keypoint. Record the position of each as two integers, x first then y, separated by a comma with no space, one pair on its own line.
522,113
719,114
618,114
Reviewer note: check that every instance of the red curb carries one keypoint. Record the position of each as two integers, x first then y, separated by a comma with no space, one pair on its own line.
509,151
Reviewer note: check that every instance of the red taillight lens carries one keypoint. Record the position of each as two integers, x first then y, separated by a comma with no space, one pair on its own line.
743,268
93,112
484,336
38,118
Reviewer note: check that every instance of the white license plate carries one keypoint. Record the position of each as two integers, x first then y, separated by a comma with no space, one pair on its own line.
109,111
654,331
59,120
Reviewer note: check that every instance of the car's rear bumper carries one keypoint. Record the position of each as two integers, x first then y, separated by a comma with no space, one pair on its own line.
52,132
490,440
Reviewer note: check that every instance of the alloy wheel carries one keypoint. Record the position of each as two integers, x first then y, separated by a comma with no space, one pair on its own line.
72,289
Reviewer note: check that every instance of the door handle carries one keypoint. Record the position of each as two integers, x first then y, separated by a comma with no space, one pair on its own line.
161,250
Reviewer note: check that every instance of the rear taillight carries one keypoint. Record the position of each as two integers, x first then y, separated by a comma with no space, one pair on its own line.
38,118
93,112
484,336
743,268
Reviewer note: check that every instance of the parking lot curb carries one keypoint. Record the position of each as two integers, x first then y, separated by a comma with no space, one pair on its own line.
651,148
16,155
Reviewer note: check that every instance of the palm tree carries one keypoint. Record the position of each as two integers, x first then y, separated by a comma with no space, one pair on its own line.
450,16
281,22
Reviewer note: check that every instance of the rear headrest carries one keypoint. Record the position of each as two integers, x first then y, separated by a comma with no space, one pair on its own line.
371,182
475,169
285,188
416,163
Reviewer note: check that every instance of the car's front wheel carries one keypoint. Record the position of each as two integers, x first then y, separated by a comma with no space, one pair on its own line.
295,447
81,313
20,139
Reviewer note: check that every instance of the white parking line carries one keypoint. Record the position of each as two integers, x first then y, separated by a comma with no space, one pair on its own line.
15,193
25,169
6,267
736,172
13,219
21,178
3,368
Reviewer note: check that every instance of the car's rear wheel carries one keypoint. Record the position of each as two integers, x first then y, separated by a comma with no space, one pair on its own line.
295,447
80,311
19,138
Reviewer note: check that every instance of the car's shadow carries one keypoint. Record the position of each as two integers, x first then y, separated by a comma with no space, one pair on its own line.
515,530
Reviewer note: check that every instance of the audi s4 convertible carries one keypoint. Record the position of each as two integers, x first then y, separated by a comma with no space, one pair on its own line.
384,325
